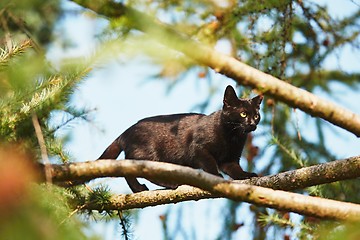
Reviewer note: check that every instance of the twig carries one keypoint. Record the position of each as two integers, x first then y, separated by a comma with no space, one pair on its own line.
72,214
88,188
43,150
297,126
123,225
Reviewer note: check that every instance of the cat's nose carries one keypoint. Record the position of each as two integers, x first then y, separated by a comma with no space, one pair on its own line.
252,127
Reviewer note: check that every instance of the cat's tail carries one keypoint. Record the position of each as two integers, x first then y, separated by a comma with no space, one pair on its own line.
113,151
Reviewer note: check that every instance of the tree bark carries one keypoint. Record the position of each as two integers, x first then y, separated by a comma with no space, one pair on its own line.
310,176
231,67
218,187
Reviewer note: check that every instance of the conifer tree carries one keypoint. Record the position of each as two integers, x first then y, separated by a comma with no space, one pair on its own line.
290,40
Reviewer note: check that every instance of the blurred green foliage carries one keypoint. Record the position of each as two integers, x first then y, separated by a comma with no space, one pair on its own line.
30,85
21,20
44,214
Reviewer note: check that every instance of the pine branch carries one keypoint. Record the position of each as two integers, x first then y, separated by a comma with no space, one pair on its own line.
124,223
218,187
7,54
231,67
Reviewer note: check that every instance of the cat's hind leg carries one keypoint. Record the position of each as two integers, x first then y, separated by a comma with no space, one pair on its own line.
134,185
166,185
234,170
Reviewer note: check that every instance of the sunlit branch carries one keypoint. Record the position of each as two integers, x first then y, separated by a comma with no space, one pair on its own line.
218,187
229,66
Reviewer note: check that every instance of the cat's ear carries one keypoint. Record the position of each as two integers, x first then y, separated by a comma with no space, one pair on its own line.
257,100
230,97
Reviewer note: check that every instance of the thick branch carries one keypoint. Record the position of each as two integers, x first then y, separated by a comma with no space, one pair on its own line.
218,187
291,180
240,72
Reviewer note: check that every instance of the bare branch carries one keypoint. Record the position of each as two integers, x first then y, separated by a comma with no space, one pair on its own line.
218,187
229,66
290,180
43,150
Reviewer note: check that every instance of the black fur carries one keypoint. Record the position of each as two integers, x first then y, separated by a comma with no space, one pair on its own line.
212,143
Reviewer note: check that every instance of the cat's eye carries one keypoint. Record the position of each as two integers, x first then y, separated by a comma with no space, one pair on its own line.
256,116
243,114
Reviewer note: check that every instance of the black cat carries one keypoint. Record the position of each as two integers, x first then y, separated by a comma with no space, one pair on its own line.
212,143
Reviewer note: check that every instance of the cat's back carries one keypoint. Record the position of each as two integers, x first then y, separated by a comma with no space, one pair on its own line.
164,125
171,119
160,138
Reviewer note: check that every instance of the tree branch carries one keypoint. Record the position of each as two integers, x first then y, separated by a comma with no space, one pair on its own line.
218,187
231,67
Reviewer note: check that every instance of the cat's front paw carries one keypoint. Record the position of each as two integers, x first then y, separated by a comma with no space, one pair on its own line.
253,175
246,175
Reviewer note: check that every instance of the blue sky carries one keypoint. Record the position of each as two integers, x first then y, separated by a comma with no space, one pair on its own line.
122,94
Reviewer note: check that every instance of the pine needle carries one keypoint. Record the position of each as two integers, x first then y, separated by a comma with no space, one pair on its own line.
7,54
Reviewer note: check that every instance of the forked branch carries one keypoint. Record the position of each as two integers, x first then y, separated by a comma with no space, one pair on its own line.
218,187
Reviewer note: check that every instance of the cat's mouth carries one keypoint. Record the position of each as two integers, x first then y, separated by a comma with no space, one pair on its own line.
243,129
250,128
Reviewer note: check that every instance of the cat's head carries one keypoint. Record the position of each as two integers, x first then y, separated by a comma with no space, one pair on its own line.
240,114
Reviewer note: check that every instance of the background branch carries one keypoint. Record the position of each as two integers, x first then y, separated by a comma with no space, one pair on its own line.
216,186
229,66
